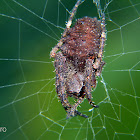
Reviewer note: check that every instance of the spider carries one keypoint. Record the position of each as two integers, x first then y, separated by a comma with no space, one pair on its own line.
78,60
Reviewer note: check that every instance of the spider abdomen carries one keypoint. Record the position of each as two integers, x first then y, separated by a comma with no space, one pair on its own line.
82,40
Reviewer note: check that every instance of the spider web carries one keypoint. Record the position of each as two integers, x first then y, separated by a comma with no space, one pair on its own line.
29,107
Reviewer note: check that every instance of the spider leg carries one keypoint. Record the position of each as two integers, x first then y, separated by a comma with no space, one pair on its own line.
80,114
60,43
72,14
80,100
98,64
73,111
80,97
61,68
90,81
55,49
103,37
99,70
73,95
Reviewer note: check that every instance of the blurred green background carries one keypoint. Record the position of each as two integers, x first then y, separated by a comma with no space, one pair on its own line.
29,107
